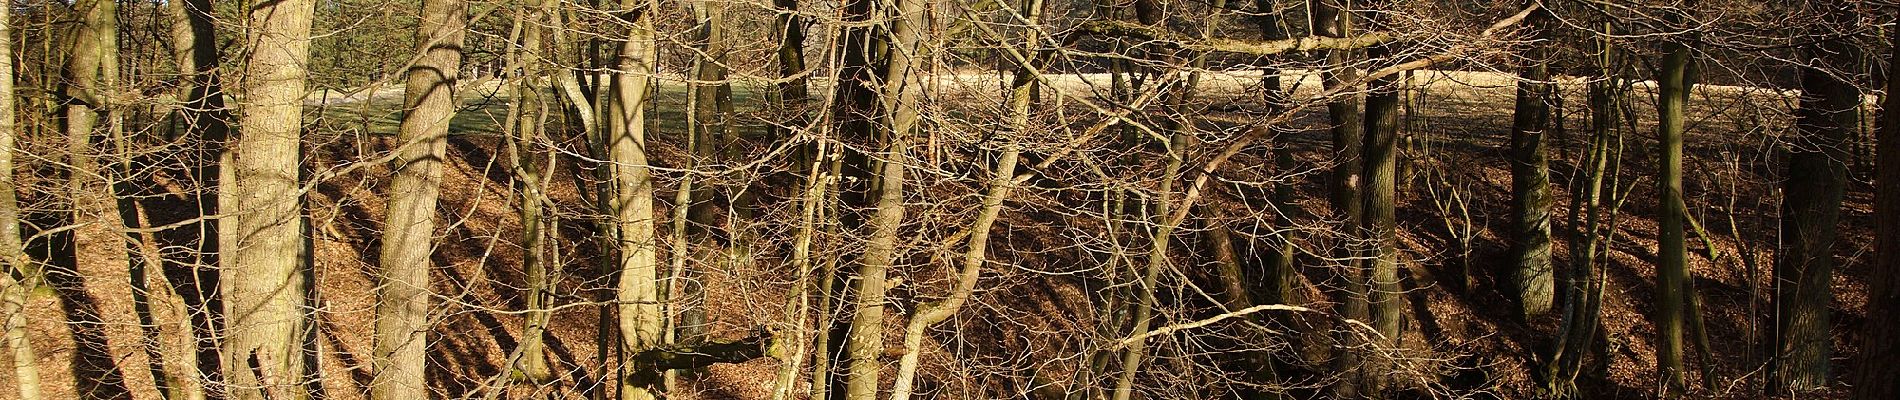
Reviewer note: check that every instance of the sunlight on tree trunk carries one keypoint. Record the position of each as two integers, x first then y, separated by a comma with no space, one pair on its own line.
402,307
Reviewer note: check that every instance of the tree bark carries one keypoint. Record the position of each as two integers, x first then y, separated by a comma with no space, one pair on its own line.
639,316
794,90
402,307
264,285
1828,116
1331,19
529,115
204,118
710,132
1383,303
1874,378
1531,276
899,91
20,276
854,116
1675,79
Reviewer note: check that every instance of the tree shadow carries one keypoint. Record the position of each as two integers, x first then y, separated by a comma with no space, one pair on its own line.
96,373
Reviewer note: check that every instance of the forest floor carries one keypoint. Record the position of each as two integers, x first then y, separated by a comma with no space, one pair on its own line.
1458,123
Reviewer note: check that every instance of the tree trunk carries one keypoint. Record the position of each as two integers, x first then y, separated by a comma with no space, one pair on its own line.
1829,115
794,91
1331,19
264,285
204,116
1002,179
709,133
1383,302
1675,79
811,213
1531,279
529,115
402,307
14,292
901,85
639,319
1874,378
1582,299
855,105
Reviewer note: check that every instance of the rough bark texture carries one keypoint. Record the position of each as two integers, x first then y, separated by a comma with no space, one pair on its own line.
265,283
1675,80
1828,116
402,307
1531,277
1875,378
1383,301
1330,19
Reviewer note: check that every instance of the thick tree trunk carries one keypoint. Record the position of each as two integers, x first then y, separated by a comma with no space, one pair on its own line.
1531,278
639,319
1874,378
1383,303
402,307
1675,79
19,277
1829,115
264,284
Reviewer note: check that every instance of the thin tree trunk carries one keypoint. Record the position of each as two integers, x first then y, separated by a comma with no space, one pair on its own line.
1002,178
100,194
1143,299
528,115
204,116
811,212
899,94
709,128
1580,312
1675,79
794,91
1828,117
1331,19
264,285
